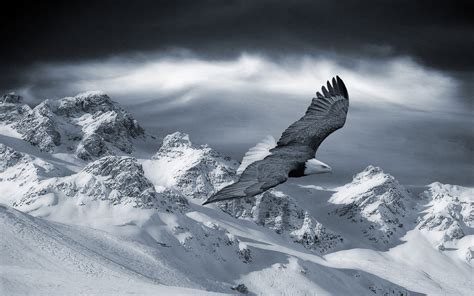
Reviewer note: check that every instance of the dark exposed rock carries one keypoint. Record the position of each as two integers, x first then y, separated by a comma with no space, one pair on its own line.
91,147
39,127
8,157
241,288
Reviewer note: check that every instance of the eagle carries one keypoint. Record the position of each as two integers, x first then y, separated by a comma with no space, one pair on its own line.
271,163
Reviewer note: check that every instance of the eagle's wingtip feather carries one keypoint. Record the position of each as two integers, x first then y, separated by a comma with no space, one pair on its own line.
342,87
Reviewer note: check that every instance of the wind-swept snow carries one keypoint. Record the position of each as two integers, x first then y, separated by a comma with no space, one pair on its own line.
39,257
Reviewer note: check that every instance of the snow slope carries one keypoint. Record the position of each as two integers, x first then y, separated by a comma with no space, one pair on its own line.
125,221
46,258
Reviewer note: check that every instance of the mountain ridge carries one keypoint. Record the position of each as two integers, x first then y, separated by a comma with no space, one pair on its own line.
153,203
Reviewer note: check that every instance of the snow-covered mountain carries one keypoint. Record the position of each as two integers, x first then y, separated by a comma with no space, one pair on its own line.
449,215
90,124
117,179
196,171
377,202
87,210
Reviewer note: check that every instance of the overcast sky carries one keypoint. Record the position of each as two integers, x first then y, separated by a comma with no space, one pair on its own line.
231,72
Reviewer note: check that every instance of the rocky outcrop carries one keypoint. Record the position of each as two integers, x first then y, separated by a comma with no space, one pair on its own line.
8,157
39,128
19,172
281,213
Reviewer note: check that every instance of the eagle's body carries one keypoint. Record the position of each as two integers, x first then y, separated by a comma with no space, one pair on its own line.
294,153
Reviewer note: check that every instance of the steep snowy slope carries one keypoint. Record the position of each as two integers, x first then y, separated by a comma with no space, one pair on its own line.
43,258
38,255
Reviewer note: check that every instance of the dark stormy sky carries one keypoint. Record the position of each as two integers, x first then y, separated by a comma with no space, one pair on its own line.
231,72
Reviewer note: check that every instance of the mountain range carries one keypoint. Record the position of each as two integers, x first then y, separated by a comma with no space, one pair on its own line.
93,204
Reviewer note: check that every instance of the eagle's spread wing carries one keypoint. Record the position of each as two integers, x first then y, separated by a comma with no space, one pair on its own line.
256,178
266,173
298,143
326,114
256,153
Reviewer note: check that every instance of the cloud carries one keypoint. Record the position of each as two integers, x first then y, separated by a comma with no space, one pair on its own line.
398,81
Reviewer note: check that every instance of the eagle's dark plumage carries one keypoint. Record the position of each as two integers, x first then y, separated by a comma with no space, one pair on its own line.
298,144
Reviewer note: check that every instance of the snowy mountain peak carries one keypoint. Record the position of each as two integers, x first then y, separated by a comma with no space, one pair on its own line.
371,181
195,171
377,202
370,172
450,211
439,190
175,140
90,124
87,102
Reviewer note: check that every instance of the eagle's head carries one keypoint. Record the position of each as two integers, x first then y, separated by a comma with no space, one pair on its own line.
314,166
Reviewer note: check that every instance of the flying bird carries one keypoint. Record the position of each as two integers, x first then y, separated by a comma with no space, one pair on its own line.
271,163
